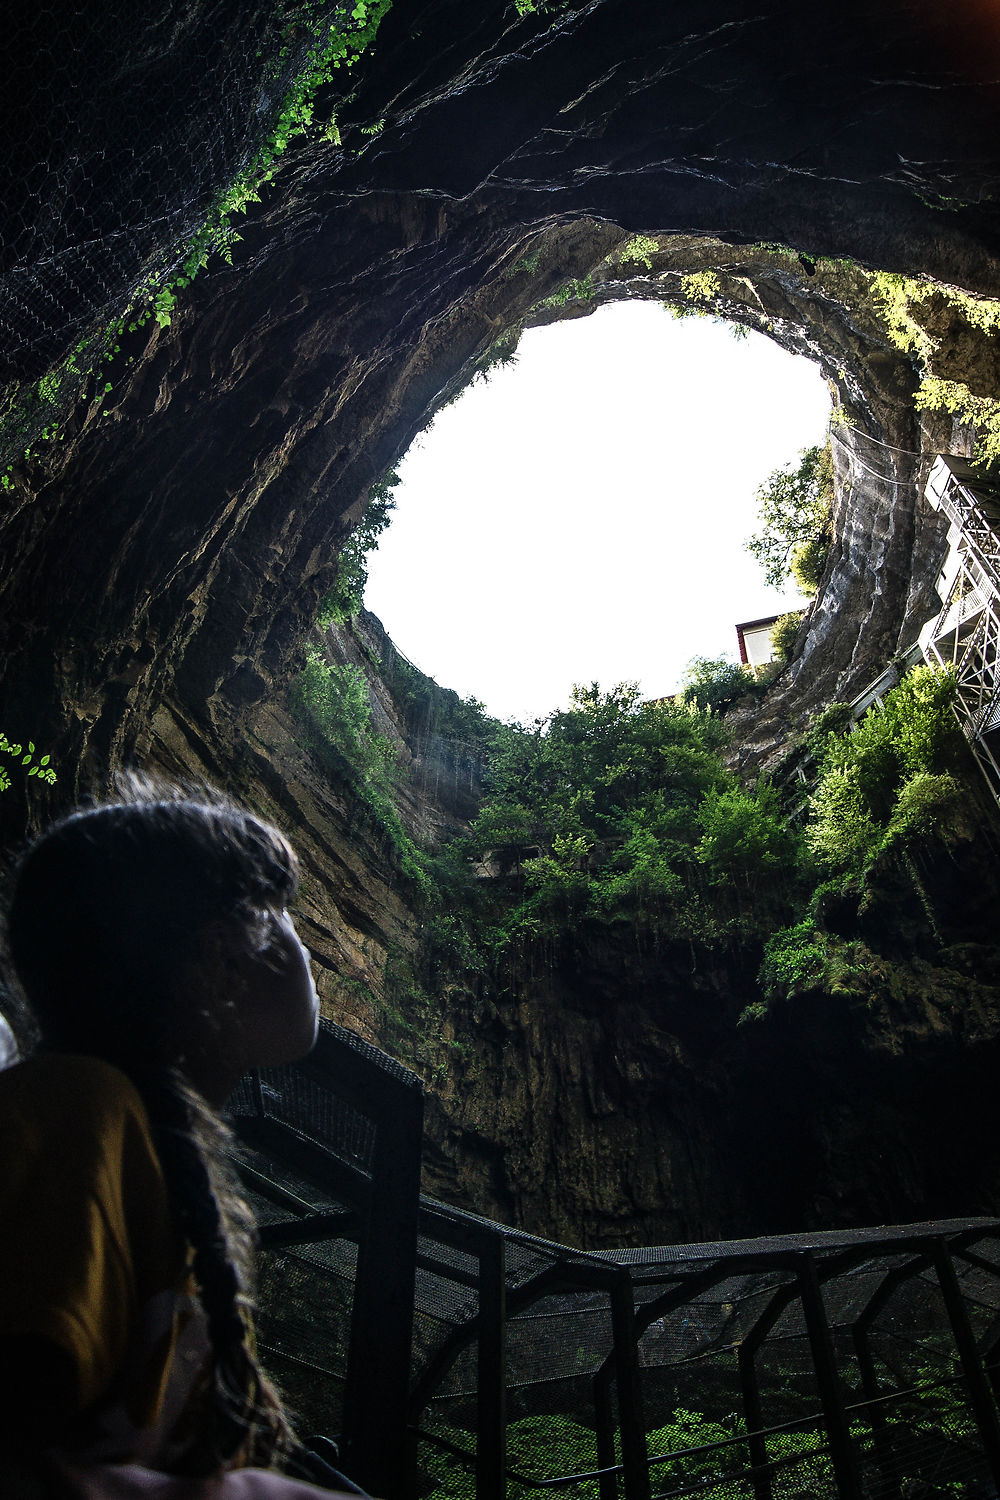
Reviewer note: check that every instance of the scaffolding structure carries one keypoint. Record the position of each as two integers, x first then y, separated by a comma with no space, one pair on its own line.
964,637
458,1357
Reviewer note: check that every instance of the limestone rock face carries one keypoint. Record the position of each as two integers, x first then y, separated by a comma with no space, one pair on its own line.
160,568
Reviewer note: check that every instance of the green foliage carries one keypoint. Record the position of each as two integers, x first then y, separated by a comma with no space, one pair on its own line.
804,958
24,756
335,44
842,829
746,840
334,701
982,412
701,286
537,1448
639,251
338,44
714,682
332,705
526,265
807,563
430,709
927,806
794,506
581,290
344,598
783,635
690,1430
619,810
929,1425
896,298
834,718
886,786
501,353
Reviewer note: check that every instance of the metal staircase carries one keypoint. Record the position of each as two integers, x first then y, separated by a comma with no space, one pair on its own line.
964,637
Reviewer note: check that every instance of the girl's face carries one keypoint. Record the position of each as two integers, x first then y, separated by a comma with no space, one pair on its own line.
277,1004
262,1006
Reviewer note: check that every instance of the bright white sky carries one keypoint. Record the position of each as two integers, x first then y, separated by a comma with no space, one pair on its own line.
581,515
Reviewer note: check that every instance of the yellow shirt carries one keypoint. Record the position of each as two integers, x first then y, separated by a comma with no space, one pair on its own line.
90,1258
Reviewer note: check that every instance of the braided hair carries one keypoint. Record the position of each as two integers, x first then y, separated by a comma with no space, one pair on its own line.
107,921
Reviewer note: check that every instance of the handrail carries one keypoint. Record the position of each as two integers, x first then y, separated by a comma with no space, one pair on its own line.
813,1419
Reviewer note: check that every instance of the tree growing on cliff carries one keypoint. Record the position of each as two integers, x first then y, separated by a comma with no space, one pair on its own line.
794,509
784,632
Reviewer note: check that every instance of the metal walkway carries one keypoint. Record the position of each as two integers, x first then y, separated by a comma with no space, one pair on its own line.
459,1358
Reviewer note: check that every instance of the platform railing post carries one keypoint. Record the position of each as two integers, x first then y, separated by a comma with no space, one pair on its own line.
635,1456
754,1419
876,1416
980,1395
376,1397
838,1432
491,1374
604,1418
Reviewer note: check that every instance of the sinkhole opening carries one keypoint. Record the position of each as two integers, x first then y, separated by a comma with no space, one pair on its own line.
581,514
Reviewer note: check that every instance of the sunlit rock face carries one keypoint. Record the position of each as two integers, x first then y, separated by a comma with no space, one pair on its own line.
161,567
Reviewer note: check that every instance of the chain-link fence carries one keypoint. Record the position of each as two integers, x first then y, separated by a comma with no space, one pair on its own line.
125,132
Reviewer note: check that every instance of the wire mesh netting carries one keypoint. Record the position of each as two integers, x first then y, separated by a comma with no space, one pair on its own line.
123,134
737,1394
862,1364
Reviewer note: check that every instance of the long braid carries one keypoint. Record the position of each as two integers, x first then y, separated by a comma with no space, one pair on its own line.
244,1414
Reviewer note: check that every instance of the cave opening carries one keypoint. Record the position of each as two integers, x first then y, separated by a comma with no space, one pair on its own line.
583,508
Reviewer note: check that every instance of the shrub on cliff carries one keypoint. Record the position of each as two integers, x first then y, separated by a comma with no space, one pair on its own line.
747,842
887,792
807,563
784,632
332,706
616,811
804,958
713,682
874,777
343,599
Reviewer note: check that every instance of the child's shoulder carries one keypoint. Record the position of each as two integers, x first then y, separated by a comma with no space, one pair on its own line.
63,1087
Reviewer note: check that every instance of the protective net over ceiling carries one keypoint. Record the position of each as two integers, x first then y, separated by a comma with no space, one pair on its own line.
122,134
457,1357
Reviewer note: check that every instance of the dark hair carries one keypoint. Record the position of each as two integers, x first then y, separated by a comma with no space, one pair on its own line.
108,917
